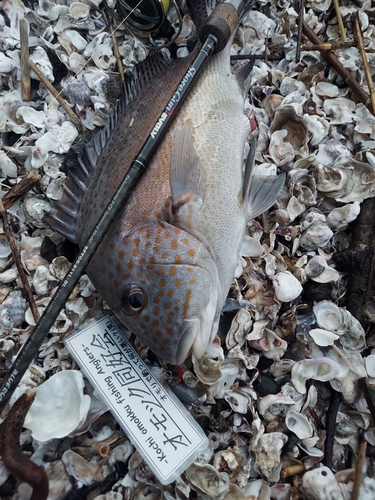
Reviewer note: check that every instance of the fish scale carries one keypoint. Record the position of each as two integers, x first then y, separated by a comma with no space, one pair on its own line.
167,261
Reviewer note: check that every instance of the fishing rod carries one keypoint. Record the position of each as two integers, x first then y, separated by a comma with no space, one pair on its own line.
214,36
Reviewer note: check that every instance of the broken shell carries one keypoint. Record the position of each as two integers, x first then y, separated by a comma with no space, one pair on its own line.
323,337
267,454
299,424
204,478
318,270
320,484
340,217
316,235
208,367
322,369
230,461
237,401
82,470
287,287
12,310
59,407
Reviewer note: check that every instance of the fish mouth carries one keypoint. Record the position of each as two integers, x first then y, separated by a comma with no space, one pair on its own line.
192,341
188,340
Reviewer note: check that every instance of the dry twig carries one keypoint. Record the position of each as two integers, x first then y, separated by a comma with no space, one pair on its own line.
300,26
25,69
21,271
17,191
117,53
336,44
366,66
292,470
330,428
336,64
13,457
339,20
74,118
358,470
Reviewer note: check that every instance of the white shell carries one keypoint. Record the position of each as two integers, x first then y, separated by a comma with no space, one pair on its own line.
323,337
322,369
286,286
339,218
299,424
318,270
267,454
208,367
320,484
59,407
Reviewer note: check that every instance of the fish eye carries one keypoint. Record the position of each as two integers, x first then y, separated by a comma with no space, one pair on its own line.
133,299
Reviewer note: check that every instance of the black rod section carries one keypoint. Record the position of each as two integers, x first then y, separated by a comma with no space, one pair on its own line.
30,349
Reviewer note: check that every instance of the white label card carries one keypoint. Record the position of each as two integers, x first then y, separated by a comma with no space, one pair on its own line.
161,429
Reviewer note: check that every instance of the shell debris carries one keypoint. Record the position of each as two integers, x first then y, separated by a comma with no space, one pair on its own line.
286,341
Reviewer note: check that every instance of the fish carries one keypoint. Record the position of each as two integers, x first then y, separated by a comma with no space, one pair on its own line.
166,264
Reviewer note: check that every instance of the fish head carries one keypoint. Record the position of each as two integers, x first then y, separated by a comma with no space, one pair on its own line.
169,295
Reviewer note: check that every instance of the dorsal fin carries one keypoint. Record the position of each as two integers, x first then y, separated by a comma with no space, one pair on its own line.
63,216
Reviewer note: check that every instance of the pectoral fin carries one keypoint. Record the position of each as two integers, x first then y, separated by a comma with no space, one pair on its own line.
263,193
185,172
249,168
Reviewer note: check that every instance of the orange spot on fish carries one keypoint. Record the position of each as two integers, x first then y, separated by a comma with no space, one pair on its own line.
121,254
159,333
169,331
156,249
178,283
148,235
192,282
135,252
155,310
166,341
167,305
149,276
139,273
170,293
112,246
158,296
148,244
174,244
136,242
110,275
117,233
162,282
164,255
130,265
189,269
125,276
118,267
170,318
186,303
110,260
185,241
147,317
159,229
101,253
191,253
177,259
155,323
172,271
116,283
152,287
158,239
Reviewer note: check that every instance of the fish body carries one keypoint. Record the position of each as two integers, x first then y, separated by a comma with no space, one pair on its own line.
166,264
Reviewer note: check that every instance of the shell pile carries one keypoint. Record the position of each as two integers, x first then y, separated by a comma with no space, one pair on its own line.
287,345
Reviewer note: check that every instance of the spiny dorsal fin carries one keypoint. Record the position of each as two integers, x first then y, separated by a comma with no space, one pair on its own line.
62,217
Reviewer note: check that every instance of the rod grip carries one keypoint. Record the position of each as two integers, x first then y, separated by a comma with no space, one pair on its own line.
221,24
